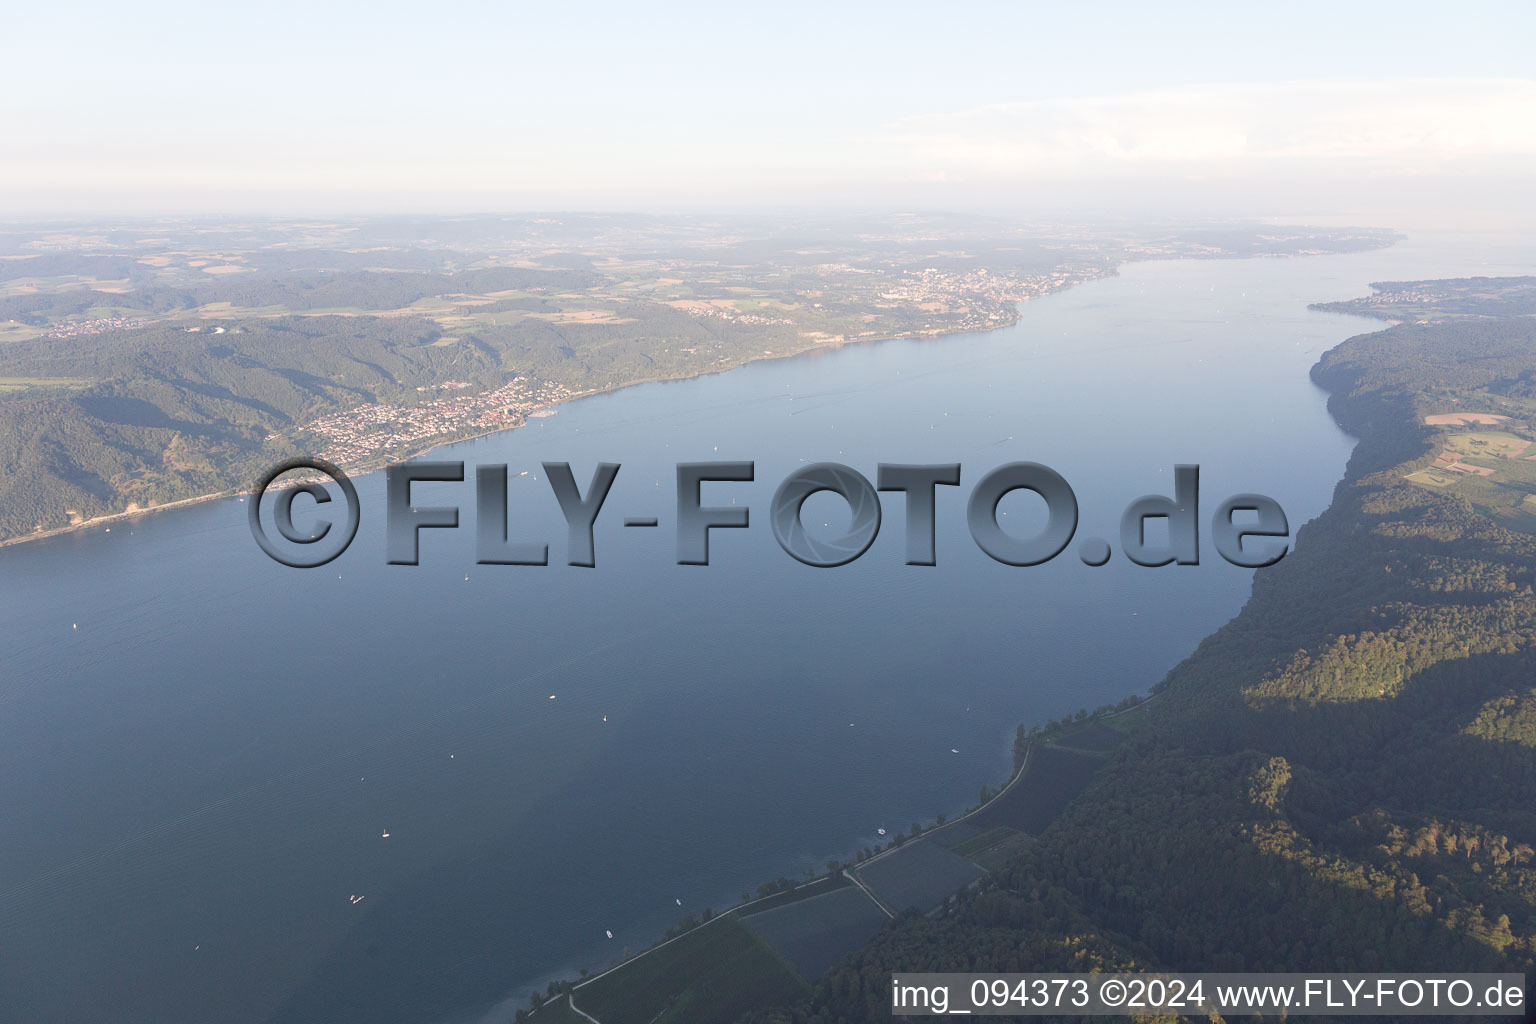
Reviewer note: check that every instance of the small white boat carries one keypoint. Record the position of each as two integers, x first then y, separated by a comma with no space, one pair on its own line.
880,830
679,902
610,935
952,750
386,835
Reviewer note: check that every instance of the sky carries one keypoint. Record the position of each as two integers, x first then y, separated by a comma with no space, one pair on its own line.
1331,110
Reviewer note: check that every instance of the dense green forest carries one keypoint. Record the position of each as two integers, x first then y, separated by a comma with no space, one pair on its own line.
165,414
1341,778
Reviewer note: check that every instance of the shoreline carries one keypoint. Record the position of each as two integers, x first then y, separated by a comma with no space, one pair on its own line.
370,466
849,871
59,531
1016,776
374,465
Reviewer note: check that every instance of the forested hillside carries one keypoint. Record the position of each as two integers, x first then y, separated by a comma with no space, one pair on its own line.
1342,778
160,413
146,363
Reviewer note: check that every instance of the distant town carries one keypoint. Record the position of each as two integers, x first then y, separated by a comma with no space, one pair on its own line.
379,429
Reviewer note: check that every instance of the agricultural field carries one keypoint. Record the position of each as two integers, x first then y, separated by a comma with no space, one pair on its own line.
1493,469
1099,737
1462,419
1433,478
14,330
557,1011
988,847
982,841
9,384
1489,444
813,934
716,972
824,884
994,858
1055,775
920,875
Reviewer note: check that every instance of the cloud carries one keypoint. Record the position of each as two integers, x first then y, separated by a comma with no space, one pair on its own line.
1403,126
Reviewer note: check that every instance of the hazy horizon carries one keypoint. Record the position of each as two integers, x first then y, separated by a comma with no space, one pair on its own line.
1373,114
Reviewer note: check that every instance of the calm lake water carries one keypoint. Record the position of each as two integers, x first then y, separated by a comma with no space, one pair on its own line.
201,749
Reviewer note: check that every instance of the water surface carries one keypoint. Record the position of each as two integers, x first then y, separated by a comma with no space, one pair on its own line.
201,749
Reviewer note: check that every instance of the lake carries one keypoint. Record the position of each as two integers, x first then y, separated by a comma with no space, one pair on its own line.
202,749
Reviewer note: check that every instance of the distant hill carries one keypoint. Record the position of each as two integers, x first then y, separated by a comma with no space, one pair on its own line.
148,363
